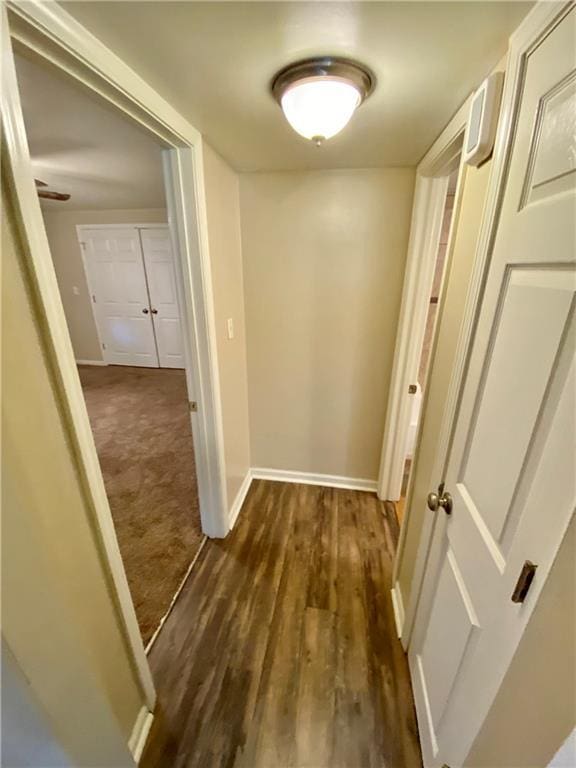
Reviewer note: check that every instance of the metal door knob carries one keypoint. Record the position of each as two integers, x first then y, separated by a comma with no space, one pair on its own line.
440,500
154,311
145,311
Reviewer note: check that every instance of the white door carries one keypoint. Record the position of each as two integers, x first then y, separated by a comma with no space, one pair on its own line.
511,466
162,286
117,280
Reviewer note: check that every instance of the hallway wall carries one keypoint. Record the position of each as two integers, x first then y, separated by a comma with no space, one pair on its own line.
59,615
67,258
223,211
324,256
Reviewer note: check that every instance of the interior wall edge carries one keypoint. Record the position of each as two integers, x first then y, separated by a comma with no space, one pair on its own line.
222,195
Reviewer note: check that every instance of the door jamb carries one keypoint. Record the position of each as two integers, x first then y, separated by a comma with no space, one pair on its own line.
429,202
427,214
49,32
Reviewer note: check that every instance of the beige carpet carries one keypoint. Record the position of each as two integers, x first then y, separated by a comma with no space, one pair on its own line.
142,430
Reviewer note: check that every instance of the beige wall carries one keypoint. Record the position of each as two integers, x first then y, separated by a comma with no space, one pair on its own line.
535,709
223,210
61,231
324,256
58,615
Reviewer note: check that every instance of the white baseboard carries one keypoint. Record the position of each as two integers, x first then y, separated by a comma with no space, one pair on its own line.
308,478
139,735
239,500
398,605
90,362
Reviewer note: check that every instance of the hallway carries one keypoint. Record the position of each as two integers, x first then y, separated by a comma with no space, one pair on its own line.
281,650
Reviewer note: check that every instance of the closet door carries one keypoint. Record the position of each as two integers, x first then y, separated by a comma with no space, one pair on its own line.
115,268
165,309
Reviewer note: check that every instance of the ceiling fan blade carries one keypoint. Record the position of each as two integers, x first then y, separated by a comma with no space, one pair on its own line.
40,183
47,195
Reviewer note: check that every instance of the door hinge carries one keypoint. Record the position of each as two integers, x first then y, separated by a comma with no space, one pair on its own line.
93,299
103,345
524,582
193,405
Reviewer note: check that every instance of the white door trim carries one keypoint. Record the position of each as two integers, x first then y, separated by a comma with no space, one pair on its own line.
49,31
429,201
535,25
427,214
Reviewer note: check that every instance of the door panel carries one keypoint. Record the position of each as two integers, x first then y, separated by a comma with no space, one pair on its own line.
513,384
510,469
116,271
452,622
160,270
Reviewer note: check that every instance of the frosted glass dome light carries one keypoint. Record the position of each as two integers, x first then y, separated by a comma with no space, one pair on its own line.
319,96
319,108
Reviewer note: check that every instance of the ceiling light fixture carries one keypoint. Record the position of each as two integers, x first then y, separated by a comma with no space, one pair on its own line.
319,96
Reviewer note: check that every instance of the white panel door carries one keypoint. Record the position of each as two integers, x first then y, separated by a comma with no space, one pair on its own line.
160,271
511,466
118,283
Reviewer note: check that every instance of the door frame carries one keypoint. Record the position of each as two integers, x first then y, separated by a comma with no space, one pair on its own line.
80,229
539,22
425,230
441,160
49,33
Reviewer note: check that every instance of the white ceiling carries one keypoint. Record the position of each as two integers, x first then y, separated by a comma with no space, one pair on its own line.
84,147
214,61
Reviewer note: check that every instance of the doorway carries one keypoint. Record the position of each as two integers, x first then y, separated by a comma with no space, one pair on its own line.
118,285
417,390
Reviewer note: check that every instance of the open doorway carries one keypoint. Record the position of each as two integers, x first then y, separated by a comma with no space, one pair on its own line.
101,176
418,388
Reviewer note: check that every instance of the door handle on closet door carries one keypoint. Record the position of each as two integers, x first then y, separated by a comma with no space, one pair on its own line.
145,311
154,311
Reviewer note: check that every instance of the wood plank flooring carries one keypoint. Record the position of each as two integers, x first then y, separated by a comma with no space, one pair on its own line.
281,650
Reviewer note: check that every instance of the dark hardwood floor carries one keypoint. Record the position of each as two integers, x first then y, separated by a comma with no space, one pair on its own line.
281,650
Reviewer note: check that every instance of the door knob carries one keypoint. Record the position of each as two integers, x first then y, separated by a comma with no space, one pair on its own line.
441,499
145,311
154,311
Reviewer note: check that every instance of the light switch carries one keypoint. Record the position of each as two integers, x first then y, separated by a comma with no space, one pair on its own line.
75,290
230,324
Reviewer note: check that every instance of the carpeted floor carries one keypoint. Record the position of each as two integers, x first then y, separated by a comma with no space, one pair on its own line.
143,436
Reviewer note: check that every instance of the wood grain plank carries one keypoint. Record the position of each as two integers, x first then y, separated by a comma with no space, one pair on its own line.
281,649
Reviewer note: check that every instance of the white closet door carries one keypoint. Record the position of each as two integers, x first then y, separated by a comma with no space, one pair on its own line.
160,271
511,467
117,279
